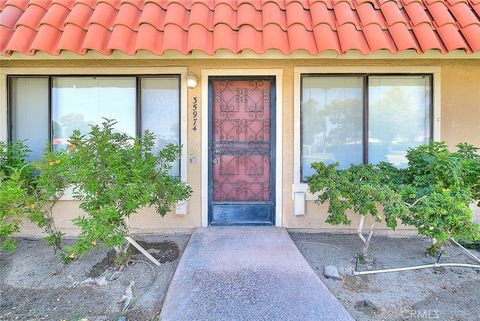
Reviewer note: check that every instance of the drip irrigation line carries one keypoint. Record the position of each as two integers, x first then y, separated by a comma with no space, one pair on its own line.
425,266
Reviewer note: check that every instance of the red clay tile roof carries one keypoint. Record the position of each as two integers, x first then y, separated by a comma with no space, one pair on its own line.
315,26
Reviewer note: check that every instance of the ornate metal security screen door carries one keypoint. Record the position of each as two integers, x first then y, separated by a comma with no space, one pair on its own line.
241,151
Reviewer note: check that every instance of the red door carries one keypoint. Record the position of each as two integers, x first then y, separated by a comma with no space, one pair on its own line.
240,151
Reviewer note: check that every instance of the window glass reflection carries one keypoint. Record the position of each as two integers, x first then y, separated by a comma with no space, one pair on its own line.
161,111
78,102
399,116
332,121
29,113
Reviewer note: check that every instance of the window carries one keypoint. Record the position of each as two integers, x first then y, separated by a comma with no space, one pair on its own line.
161,112
29,118
332,116
78,102
363,118
399,116
52,107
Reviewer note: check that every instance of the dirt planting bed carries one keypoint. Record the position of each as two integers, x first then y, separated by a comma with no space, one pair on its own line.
445,294
35,285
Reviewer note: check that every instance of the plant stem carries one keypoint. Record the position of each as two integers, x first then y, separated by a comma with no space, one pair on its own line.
360,229
366,241
415,203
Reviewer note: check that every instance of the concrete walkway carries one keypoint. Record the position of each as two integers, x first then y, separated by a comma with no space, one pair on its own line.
248,274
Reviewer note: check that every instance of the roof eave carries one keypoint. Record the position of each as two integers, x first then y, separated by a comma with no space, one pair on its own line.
270,54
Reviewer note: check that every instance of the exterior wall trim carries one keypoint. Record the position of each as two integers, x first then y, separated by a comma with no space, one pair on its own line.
278,74
182,71
3,105
298,186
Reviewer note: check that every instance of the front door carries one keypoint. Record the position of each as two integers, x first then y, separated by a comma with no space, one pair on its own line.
241,151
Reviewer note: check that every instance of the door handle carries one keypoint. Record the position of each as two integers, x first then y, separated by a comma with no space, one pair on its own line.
215,153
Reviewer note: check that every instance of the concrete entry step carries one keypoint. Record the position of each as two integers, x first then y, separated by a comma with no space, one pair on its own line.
247,273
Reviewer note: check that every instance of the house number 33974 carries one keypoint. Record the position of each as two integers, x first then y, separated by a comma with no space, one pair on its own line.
195,113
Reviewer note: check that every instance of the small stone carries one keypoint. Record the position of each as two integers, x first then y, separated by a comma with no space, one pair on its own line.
366,306
122,318
331,272
439,270
153,251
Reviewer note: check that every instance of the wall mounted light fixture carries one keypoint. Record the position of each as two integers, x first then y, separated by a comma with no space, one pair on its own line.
192,81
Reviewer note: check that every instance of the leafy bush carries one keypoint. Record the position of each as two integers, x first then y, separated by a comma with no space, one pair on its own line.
114,175
29,192
360,188
48,187
440,185
15,173
433,193
13,158
470,156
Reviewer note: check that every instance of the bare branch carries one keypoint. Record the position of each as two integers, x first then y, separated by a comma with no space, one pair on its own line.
360,229
415,203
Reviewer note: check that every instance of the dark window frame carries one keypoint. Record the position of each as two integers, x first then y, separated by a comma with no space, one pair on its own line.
138,100
365,111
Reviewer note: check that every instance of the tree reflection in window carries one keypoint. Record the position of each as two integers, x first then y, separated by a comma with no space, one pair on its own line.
332,112
399,117
78,102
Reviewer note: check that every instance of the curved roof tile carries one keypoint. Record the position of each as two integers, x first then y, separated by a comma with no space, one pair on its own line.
249,38
154,15
79,15
97,39
104,15
9,16
150,38
369,15
128,16
31,17
440,13
72,39
224,37
314,26
326,38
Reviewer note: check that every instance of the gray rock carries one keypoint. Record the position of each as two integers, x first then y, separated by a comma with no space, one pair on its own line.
331,272
366,306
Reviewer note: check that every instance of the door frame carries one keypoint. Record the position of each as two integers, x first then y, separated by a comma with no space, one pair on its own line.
277,74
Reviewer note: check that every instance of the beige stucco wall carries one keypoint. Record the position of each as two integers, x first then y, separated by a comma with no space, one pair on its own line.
460,115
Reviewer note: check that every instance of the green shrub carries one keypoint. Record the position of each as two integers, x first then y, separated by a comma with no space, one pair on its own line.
29,191
439,186
114,175
470,156
15,199
433,193
360,188
13,158
48,187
